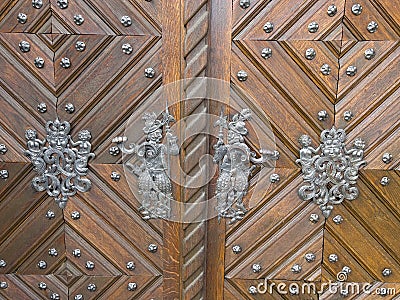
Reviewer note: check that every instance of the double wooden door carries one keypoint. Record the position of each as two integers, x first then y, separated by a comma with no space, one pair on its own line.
49,253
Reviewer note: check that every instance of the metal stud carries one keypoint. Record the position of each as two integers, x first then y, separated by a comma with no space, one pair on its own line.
310,257
42,107
372,27
273,178
152,248
114,150
322,115
127,48
3,149
3,263
149,72
242,75
346,270
69,108
244,4
24,46
76,252
313,27
55,296
115,176
314,218
42,264
42,285
236,249
387,158
253,290
78,297
53,252
75,215
256,268
337,219
132,286
296,269
126,21
78,20
65,62
63,4
266,53
39,62
348,115
386,272
385,181
325,69
89,265
344,293
332,10
80,46
22,18
351,70
333,258
4,174
91,287
37,4
310,54
268,27
50,215
356,9
130,265
369,53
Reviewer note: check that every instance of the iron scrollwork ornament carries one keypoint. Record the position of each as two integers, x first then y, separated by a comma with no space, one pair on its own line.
330,171
59,161
154,184
236,162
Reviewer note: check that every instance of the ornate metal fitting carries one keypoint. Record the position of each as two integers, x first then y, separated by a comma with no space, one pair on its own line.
22,18
4,174
294,290
235,155
314,218
322,115
63,4
313,27
55,296
266,53
348,115
333,258
126,21
256,268
130,265
50,215
115,176
296,269
132,286
3,149
310,53
78,20
37,4
24,46
253,290
65,62
383,292
385,181
59,166
39,62
149,72
76,252
89,265
152,248
372,27
42,107
351,70
242,75
3,263
114,151
337,219
127,48
42,285
332,10
91,287
75,215
330,171
387,158
42,264
369,53
69,108
78,297
344,293
325,69
80,46
274,178
268,27
153,170
387,272
346,270
236,249
53,252
310,257
244,4
356,9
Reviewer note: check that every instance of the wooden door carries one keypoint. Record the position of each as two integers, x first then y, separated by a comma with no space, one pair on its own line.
106,82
